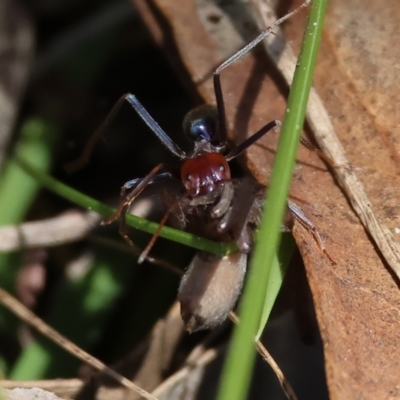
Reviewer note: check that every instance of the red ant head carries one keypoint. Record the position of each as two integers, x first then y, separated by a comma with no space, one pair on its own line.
201,124
201,173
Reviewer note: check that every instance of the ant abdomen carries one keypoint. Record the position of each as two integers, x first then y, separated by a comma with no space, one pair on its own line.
210,288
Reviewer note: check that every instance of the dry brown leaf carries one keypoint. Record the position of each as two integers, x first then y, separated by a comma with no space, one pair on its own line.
64,388
27,394
26,315
358,301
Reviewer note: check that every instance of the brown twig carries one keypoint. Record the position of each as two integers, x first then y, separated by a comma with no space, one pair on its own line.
30,318
65,228
324,134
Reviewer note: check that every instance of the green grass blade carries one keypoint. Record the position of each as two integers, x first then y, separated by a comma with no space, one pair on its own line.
142,224
278,269
18,191
239,363
80,310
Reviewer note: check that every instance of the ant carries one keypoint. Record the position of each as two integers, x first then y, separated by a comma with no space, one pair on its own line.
224,208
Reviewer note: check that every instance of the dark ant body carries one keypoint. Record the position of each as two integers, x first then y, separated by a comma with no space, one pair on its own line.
226,209
211,284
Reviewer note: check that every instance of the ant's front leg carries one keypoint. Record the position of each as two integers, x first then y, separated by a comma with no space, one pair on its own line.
222,132
143,114
224,203
135,187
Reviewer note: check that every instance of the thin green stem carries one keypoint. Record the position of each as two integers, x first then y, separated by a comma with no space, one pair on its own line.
142,224
239,363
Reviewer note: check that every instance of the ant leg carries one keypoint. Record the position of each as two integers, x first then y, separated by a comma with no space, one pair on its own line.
306,223
163,221
127,201
244,205
152,124
238,215
224,190
251,140
208,198
265,129
225,200
311,147
299,200
146,117
239,54
83,159
135,182
123,228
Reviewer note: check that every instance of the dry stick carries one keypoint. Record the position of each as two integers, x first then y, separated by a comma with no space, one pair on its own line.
200,357
206,358
60,387
290,394
30,318
286,387
65,228
324,133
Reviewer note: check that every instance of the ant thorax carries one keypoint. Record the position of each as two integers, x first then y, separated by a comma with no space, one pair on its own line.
228,213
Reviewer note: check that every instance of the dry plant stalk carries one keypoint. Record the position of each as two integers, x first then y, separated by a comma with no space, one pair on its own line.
323,131
266,356
196,359
201,356
65,228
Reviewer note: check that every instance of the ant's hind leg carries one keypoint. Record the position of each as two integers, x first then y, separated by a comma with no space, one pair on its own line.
311,147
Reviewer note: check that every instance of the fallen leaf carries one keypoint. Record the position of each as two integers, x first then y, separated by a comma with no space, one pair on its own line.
357,302
27,394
